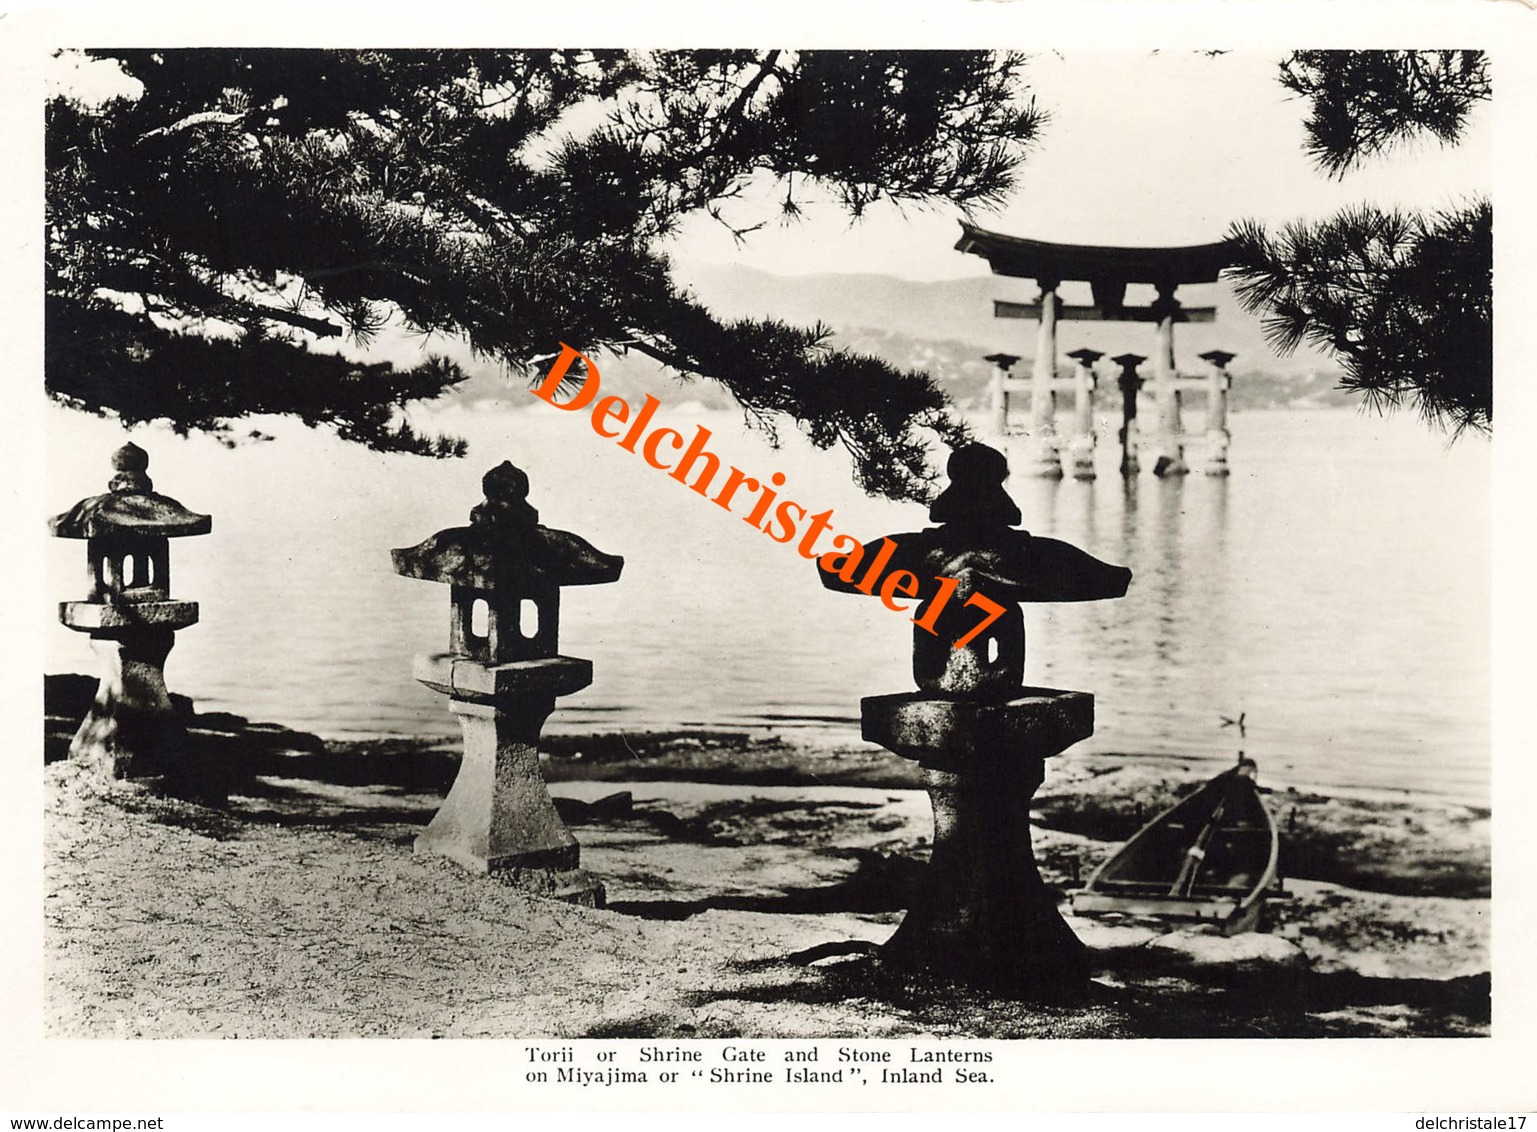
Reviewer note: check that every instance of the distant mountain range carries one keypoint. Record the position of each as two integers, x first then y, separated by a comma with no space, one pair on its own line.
946,328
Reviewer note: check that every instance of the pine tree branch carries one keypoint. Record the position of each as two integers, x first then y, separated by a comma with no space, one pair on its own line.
1410,319
734,115
191,121
317,326
427,183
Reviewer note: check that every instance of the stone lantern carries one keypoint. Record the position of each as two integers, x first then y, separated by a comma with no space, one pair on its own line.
132,729
981,737
1218,382
1130,384
1080,447
998,394
502,673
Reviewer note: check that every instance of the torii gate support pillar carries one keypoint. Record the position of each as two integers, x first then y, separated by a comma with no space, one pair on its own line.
1171,427
1041,456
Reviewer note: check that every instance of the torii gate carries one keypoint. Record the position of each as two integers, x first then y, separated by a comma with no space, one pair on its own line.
1107,270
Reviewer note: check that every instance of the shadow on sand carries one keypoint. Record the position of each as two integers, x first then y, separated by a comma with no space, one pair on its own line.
255,775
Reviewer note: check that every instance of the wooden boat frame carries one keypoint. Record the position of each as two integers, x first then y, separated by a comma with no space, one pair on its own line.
1234,906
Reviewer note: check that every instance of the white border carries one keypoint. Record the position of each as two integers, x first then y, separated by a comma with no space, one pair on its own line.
1063,1076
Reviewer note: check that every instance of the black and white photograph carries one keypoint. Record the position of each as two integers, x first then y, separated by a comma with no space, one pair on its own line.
781,565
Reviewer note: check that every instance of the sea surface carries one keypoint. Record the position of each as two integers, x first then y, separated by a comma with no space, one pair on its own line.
1334,589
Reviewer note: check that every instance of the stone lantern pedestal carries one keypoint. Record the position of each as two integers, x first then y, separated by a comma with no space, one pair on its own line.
499,816
503,674
132,730
983,915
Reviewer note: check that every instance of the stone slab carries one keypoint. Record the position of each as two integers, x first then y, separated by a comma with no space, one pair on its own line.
951,734
465,679
94,615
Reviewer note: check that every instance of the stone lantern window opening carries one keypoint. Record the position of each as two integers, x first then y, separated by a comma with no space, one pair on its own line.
498,628
480,621
992,663
128,566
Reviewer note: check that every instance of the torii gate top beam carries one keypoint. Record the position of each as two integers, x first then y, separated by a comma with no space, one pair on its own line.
1037,259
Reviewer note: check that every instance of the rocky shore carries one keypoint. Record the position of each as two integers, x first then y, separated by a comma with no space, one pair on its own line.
748,881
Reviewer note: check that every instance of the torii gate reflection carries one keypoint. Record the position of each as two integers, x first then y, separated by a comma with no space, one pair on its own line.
1108,271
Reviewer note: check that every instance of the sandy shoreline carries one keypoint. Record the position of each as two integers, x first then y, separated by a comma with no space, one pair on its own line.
1376,842
747,882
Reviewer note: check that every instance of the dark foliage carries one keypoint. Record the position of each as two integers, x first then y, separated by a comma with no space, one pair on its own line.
248,201
1363,102
1403,300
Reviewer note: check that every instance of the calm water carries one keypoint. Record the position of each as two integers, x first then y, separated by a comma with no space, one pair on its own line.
1335,589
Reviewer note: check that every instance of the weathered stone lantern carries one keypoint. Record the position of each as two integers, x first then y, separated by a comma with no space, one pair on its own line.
1080,447
502,674
982,738
132,729
1218,382
998,394
1130,385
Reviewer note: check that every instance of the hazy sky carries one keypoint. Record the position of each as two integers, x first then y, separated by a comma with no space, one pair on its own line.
1142,148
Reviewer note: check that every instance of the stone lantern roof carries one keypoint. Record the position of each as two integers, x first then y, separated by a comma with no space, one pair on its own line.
979,535
504,548
130,506
979,546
